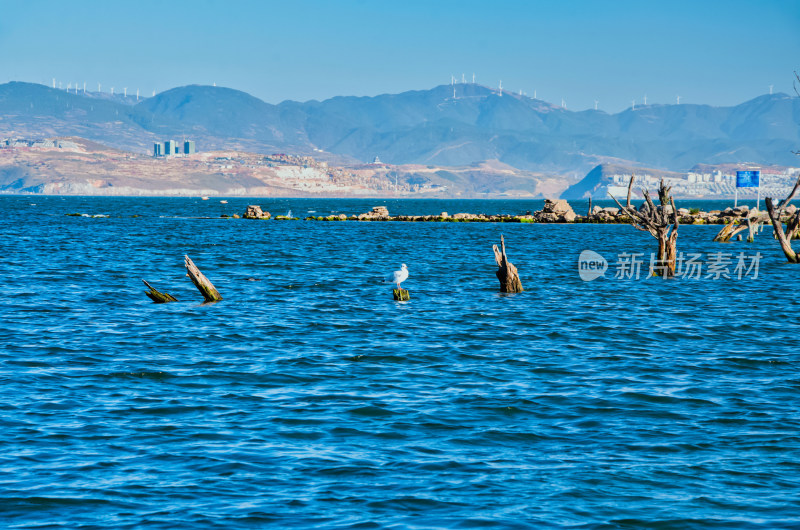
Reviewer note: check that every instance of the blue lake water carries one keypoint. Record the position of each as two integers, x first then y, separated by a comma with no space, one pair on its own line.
310,399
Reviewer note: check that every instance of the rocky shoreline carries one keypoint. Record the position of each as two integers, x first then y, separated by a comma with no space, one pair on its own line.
556,211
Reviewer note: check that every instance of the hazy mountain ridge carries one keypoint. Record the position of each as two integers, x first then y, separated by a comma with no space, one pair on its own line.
77,166
423,127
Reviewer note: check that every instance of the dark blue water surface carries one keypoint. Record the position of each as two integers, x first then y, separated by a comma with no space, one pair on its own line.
310,399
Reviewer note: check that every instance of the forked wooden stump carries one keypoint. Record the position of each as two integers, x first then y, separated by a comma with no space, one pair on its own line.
203,284
657,222
728,231
157,296
401,295
784,237
506,271
752,228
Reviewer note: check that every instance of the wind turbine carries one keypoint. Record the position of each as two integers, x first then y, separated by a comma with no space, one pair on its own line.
125,91
595,104
137,94
54,82
645,99
770,90
679,99
84,87
98,87
534,93
563,103
112,90
500,88
633,105
473,78
463,80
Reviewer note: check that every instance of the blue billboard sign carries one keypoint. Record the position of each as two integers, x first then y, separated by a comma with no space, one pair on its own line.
747,179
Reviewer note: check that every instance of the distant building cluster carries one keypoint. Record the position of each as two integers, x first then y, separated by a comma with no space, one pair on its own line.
170,148
704,184
48,143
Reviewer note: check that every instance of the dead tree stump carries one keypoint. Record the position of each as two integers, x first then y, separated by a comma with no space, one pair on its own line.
506,271
657,221
728,231
206,288
792,225
752,228
401,295
780,235
157,296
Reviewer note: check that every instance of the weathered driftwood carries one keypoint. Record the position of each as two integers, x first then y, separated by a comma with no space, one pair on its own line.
752,228
630,185
793,234
401,295
157,296
730,230
780,235
506,271
206,288
657,222
792,225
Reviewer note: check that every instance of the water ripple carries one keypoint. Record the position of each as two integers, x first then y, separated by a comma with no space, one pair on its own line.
310,399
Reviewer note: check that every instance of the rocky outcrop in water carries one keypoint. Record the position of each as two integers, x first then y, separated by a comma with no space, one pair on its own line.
555,211
378,213
254,212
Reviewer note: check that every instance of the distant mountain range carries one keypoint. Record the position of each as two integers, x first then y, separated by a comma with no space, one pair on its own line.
428,127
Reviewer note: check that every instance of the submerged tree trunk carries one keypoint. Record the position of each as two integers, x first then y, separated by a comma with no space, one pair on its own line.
728,231
630,185
793,234
670,255
203,284
780,235
401,295
157,296
775,213
506,271
657,223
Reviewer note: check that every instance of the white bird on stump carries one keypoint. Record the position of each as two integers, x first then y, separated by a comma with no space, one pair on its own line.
400,276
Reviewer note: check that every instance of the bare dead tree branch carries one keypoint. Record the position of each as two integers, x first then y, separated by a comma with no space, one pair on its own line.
506,272
657,222
785,202
777,226
776,216
203,284
630,185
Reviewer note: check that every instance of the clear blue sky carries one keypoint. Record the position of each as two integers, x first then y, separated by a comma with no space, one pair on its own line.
715,52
